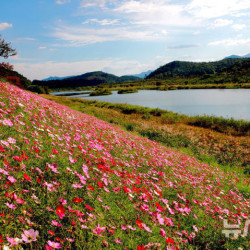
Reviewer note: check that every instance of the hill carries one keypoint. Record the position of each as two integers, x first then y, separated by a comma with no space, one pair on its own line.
87,79
7,72
69,180
236,56
143,74
194,69
55,78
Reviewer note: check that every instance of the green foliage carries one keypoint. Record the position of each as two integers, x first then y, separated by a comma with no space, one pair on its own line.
205,70
100,92
127,91
5,49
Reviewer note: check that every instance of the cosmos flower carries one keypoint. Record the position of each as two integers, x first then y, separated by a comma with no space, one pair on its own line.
29,235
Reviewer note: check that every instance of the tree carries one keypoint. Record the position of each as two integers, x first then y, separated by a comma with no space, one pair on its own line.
5,49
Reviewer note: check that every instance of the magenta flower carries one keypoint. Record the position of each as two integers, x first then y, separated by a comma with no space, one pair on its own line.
13,241
98,230
12,179
29,235
7,122
55,223
11,206
54,244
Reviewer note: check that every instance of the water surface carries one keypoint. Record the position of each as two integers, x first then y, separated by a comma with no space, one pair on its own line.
227,103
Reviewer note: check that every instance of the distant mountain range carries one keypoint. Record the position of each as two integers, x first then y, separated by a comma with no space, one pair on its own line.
235,56
56,78
141,75
87,79
230,66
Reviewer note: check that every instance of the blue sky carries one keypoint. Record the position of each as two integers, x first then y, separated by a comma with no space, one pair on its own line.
71,37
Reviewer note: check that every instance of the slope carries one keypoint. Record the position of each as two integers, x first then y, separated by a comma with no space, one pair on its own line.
69,180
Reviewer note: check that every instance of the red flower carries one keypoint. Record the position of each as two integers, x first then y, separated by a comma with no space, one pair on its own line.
77,200
91,188
139,224
169,241
140,247
60,211
27,177
89,207
51,232
17,158
99,184
55,151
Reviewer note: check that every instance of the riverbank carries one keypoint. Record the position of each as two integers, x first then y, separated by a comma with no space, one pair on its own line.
210,139
157,85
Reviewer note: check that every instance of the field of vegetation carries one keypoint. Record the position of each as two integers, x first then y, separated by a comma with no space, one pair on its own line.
72,181
210,139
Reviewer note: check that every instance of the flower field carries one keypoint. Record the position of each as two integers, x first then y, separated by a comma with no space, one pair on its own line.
71,181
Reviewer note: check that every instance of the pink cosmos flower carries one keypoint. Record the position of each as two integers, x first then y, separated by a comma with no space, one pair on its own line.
29,235
55,223
195,228
123,227
162,232
147,228
11,206
118,241
98,230
63,201
11,140
13,241
77,185
12,179
7,122
54,244
72,160
85,170
131,228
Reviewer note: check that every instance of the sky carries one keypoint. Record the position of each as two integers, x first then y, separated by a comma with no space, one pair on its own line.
121,37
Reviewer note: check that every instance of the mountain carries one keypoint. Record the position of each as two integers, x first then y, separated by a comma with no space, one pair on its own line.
143,74
55,78
195,69
236,56
87,79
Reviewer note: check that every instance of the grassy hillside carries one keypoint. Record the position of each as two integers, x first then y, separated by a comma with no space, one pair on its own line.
227,67
69,180
210,139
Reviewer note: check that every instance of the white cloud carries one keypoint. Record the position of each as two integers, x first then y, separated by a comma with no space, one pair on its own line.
25,39
4,26
102,22
85,36
231,42
42,47
62,1
152,12
114,66
217,8
90,3
221,23
184,46
239,26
